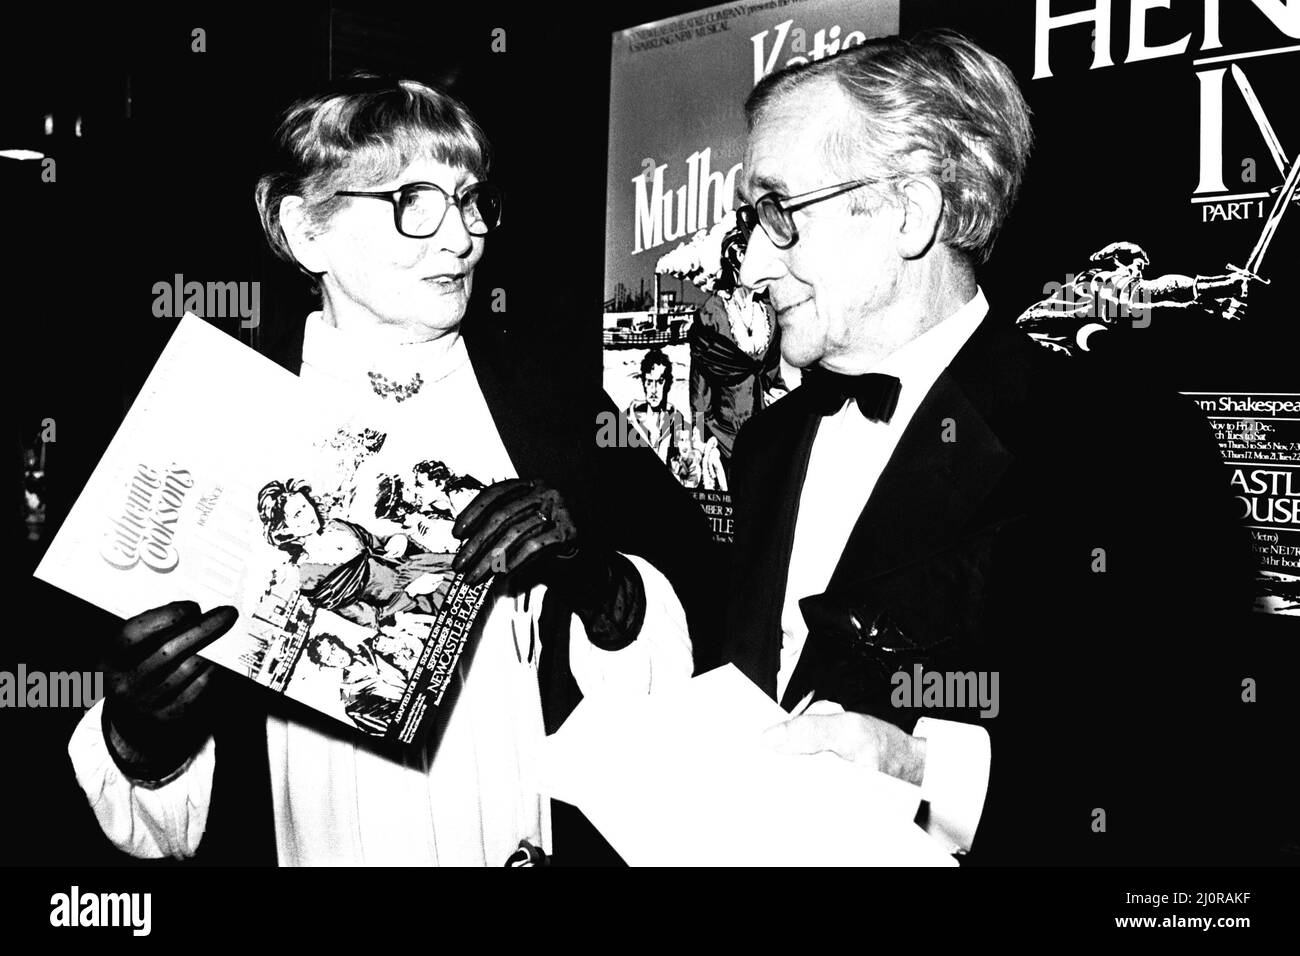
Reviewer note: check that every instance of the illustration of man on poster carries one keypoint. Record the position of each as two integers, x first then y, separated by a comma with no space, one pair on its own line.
400,646
659,424
425,504
370,686
1116,292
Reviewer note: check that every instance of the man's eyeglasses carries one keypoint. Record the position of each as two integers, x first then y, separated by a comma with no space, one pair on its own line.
419,208
773,211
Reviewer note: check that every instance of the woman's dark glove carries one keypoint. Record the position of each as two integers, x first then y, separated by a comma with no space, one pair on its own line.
519,524
155,713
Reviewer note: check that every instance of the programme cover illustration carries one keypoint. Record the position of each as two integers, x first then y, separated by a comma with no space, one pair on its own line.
333,541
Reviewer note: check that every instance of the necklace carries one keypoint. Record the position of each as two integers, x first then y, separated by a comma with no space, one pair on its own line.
385,387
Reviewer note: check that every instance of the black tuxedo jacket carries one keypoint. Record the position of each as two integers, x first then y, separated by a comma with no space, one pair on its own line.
1076,536
623,497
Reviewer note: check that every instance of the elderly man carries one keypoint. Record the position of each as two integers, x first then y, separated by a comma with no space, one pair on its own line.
991,576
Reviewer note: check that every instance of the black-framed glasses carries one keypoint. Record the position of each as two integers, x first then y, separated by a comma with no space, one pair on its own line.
773,211
419,208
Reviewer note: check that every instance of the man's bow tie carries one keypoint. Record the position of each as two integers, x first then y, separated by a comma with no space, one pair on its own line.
876,394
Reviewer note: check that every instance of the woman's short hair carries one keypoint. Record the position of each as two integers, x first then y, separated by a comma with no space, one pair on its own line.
358,133
935,105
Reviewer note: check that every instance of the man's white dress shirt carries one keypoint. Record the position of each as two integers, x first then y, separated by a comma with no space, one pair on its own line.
848,455
336,802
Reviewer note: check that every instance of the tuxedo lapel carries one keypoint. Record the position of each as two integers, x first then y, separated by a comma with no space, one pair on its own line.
949,460
771,511
946,463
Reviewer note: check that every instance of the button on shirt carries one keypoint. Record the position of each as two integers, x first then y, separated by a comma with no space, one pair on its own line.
848,455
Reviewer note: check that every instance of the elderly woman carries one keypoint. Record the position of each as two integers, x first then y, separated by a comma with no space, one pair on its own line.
380,195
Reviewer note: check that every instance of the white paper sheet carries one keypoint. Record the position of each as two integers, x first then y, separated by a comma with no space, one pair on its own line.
681,778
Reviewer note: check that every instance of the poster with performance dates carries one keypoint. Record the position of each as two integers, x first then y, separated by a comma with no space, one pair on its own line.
1259,437
1158,230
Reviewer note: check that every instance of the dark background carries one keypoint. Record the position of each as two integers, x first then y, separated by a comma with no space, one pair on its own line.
161,182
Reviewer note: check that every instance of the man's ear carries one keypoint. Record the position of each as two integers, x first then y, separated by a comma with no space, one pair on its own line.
921,201
301,235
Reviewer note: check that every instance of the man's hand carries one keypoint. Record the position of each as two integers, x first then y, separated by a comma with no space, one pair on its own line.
867,741
156,718
1233,284
1229,291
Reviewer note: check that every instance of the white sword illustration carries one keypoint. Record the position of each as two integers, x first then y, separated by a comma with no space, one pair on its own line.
1280,204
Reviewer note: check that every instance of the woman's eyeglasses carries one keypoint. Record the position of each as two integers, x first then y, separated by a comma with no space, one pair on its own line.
773,211
419,208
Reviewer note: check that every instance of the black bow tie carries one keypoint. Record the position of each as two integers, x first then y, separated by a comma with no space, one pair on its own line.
876,394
